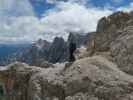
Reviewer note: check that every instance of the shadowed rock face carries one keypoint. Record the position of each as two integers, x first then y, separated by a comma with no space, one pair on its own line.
40,51
58,51
77,38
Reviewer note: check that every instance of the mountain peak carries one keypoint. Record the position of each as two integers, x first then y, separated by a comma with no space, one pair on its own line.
116,21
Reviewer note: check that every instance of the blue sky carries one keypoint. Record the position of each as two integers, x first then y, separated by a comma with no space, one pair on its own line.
41,6
29,20
113,3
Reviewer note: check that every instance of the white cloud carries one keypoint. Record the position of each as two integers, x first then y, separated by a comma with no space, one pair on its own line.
51,1
117,1
21,28
72,17
15,8
64,18
55,1
126,8
58,1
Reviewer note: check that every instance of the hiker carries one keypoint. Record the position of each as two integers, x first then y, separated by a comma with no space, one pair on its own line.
72,48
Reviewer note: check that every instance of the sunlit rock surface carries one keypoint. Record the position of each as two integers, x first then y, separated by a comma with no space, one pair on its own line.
94,77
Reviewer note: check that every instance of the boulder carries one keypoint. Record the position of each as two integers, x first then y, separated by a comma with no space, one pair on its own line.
81,52
92,77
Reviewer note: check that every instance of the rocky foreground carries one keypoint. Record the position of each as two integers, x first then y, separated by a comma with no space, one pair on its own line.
103,69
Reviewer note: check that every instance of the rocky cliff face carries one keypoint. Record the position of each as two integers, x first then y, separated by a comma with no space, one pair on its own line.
35,53
108,29
103,69
117,41
114,22
87,79
57,51
78,39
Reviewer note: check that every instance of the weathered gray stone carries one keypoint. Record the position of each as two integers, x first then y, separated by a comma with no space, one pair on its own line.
122,50
92,77
108,29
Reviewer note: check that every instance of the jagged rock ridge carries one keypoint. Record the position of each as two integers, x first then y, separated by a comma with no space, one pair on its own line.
104,72
41,51
117,42
57,51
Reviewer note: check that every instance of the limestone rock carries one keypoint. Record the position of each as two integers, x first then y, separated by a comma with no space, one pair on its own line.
81,52
116,20
79,39
58,51
108,30
81,96
93,77
122,50
114,35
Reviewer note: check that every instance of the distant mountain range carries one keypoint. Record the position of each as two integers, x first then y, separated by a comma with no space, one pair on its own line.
8,51
39,51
